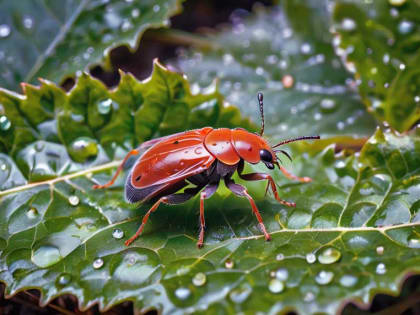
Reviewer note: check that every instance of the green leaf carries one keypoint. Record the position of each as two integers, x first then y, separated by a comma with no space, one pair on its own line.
54,39
380,43
287,54
355,230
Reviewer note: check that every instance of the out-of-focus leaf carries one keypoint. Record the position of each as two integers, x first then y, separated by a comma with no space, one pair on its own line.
53,39
287,54
380,43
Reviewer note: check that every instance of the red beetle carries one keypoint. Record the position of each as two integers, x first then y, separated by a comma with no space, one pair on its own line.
201,158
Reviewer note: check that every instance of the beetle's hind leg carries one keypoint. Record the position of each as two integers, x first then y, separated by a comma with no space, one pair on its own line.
132,152
205,194
241,191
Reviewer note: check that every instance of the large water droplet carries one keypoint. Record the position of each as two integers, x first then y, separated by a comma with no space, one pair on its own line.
64,279
405,27
182,293
46,256
98,263
381,269
117,234
324,277
199,279
328,105
4,30
5,123
348,281
282,274
74,200
229,263
276,286
310,258
329,255
32,213
83,148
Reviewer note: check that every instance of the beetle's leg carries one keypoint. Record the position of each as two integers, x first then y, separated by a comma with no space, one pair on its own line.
262,176
294,177
242,192
145,218
132,152
207,193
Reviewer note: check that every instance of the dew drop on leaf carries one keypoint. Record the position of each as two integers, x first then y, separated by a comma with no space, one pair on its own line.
74,200
381,269
239,295
182,293
229,263
405,27
276,286
310,258
329,256
414,242
287,81
28,22
117,234
98,263
324,277
46,256
348,24
397,2
5,123
309,297
348,281
156,8
416,98
64,279
32,213
282,274
380,250
4,30
279,257
199,279
83,148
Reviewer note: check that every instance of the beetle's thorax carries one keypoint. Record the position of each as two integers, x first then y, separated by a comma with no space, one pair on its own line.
231,145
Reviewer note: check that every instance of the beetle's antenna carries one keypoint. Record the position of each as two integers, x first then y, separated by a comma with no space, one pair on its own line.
260,102
296,139
285,153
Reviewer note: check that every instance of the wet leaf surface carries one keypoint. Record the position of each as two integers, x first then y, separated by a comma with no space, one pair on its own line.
355,230
54,39
379,41
287,53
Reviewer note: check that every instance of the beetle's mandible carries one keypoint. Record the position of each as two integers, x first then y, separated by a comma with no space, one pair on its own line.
201,158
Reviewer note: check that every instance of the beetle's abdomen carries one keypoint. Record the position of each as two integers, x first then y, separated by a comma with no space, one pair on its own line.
218,143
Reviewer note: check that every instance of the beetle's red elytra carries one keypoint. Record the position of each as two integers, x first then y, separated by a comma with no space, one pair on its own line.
201,158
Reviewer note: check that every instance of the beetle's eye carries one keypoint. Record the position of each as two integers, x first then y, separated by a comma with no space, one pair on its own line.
266,156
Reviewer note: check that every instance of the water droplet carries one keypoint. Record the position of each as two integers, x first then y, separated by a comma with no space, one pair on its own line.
414,242
340,125
74,200
32,213
83,148
305,48
4,30
126,26
279,256
276,286
329,255
416,98
104,106
28,22
182,293
199,279
117,234
348,24
348,281
405,27
396,2
135,13
309,297
287,81
229,263
64,279
380,250
259,71
310,258
317,116
98,263
240,295
156,8
402,66
5,123
282,274
328,105
381,269
46,256
324,277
